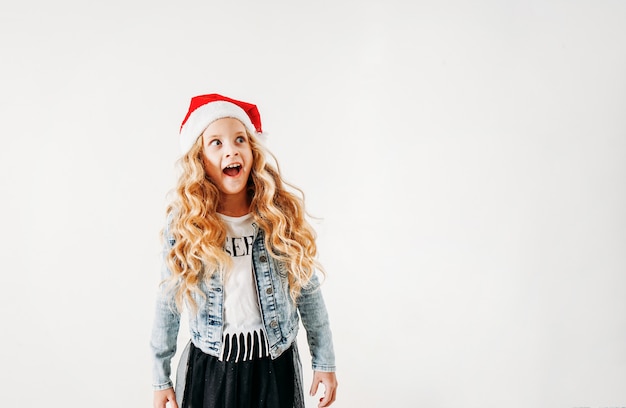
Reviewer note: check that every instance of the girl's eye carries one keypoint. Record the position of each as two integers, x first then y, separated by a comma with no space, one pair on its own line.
241,139
215,142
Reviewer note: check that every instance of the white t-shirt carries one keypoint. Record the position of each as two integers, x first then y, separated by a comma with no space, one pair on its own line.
242,313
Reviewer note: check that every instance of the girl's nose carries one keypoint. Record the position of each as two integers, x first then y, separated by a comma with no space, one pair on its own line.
231,150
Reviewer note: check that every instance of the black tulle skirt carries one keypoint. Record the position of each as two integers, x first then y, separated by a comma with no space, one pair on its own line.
255,381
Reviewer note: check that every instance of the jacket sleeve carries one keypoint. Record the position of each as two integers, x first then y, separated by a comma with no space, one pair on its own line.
316,323
165,326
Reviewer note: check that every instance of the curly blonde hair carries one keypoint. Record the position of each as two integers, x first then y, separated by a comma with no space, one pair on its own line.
199,233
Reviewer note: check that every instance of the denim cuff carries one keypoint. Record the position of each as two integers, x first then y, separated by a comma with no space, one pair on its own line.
324,368
164,386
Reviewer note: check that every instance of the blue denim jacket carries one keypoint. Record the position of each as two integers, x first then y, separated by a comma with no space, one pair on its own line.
278,312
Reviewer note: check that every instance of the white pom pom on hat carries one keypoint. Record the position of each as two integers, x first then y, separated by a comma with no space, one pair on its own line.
206,109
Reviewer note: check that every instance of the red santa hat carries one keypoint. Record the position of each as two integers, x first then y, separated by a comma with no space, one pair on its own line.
206,109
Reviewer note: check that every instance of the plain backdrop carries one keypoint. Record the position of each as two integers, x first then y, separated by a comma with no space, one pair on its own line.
464,160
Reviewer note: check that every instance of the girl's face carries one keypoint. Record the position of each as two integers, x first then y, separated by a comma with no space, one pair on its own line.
227,158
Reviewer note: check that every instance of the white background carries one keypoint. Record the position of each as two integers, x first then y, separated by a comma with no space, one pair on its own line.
466,160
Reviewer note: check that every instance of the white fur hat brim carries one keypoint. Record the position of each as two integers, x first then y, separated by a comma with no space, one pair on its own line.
206,114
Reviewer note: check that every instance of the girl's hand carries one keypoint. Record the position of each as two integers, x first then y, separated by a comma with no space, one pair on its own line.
162,397
330,387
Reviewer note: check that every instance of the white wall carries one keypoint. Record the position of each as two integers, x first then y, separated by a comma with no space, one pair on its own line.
467,161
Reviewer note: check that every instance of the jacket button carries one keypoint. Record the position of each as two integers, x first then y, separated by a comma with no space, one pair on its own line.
263,258
273,324
269,291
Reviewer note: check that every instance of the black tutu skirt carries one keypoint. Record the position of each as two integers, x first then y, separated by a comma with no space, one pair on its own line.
246,377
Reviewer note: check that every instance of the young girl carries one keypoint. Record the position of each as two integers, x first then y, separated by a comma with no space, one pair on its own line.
240,256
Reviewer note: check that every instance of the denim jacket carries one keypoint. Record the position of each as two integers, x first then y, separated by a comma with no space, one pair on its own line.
279,314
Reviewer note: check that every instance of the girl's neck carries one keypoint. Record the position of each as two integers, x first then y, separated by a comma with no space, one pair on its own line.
233,206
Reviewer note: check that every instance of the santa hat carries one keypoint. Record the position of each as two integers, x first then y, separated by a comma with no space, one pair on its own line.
206,109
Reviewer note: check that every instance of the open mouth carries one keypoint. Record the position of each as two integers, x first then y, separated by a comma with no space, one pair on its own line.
232,170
